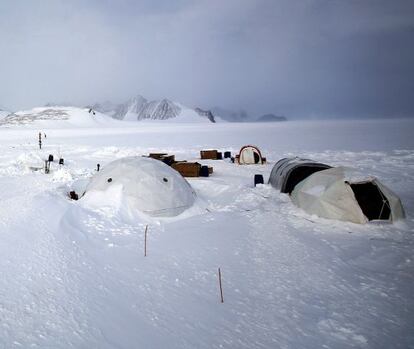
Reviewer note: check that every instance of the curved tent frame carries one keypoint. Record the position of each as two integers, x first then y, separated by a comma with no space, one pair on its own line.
288,172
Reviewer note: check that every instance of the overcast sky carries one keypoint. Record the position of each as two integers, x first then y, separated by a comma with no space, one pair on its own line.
300,58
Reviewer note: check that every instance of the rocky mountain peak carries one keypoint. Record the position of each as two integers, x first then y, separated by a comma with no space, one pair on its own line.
206,113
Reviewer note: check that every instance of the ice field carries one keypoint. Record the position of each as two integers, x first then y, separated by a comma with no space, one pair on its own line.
74,275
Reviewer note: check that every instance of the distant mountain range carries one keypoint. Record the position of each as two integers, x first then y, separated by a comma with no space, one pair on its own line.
243,116
271,118
3,113
231,115
139,108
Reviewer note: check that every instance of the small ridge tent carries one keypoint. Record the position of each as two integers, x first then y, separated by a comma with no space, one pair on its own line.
288,172
149,185
249,154
334,194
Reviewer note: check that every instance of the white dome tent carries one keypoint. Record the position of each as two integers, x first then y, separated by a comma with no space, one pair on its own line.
333,194
149,185
250,155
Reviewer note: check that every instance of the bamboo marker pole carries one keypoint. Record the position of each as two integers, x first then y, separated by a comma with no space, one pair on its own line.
221,287
145,241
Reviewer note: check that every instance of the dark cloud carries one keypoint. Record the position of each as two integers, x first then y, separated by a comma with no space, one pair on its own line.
301,58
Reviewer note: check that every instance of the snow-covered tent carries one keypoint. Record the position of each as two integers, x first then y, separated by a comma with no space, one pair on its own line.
288,172
249,154
334,194
149,185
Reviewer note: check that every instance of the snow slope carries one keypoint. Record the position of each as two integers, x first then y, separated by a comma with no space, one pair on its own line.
55,116
74,275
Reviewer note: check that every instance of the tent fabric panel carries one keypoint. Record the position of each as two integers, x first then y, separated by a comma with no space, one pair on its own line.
397,210
274,178
298,173
280,176
282,168
327,196
247,156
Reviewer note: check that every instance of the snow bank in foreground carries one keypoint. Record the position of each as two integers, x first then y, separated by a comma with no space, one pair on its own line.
74,275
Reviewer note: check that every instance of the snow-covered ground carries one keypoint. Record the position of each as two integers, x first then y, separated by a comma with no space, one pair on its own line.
75,276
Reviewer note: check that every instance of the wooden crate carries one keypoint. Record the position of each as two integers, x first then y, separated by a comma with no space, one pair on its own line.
208,154
157,156
168,159
164,157
187,169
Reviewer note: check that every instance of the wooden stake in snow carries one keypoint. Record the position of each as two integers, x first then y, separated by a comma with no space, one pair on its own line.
145,241
47,166
221,287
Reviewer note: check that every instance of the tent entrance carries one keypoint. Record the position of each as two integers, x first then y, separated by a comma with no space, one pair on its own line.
373,203
250,155
298,174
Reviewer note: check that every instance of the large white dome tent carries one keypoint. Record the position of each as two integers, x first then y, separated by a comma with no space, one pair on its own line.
149,185
339,194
